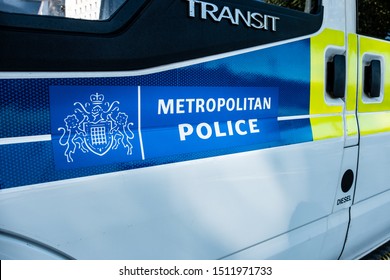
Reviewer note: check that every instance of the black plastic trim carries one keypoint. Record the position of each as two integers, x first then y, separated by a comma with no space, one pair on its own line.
118,20
347,181
158,32
336,76
372,79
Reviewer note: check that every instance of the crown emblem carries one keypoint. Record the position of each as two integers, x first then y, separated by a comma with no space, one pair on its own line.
97,98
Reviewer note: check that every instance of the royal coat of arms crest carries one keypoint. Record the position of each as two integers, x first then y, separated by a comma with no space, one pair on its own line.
96,127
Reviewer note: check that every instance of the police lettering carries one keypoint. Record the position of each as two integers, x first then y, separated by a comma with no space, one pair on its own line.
235,16
205,130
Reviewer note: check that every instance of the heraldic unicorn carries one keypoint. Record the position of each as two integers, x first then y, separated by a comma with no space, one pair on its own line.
96,127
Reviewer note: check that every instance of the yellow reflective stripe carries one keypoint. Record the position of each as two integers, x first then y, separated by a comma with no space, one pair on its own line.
381,48
373,123
326,127
318,46
351,125
352,73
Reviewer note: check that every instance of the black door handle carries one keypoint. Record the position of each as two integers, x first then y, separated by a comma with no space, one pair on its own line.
372,79
335,76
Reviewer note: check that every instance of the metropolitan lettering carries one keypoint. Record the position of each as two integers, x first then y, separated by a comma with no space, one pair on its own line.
210,105
235,16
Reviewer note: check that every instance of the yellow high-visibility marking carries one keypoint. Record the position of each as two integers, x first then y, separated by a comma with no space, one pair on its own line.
352,126
326,126
374,123
374,116
352,73
374,47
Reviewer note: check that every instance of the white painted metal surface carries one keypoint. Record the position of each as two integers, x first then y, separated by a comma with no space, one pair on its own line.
203,209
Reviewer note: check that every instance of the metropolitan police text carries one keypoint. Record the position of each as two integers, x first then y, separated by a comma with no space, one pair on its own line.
206,130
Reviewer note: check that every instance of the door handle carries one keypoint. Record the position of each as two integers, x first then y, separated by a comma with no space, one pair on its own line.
335,76
372,79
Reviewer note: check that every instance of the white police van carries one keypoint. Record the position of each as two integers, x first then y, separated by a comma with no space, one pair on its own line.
191,129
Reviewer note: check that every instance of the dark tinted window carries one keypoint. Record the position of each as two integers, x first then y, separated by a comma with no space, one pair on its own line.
80,9
374,18
307,6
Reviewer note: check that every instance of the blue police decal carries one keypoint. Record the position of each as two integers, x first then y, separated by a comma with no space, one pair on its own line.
105,125
200,119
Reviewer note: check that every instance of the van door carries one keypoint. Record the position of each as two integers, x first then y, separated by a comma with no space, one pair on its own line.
177,129
370,221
